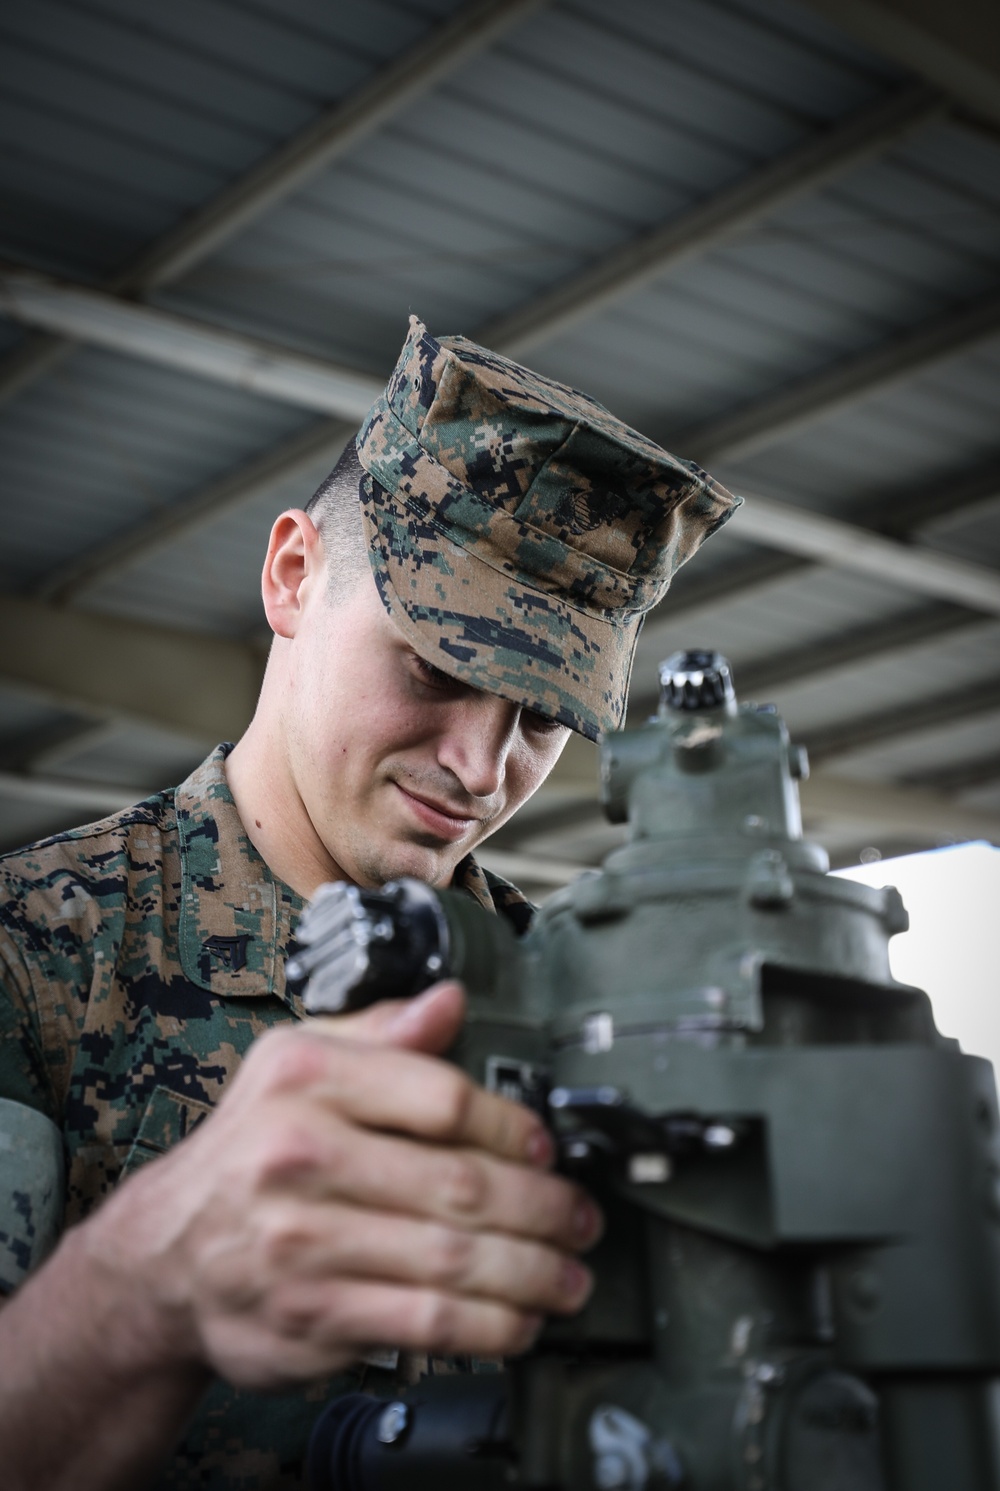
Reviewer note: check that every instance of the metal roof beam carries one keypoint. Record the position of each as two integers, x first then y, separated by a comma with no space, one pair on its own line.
987,507
746,579
335,131
693,591
186,344
873,643
904,514
864,644
934,506
67,792
807,400
48,759
842,545
959,776
876,729
908,810
323,441
956,46
205,687
26,748
847,143
804,401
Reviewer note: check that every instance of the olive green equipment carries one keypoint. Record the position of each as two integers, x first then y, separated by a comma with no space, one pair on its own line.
799,1284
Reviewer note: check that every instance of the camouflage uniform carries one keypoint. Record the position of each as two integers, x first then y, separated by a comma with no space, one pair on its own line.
518,533
139,957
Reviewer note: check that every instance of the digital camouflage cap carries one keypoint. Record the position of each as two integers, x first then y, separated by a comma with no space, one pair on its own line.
518,532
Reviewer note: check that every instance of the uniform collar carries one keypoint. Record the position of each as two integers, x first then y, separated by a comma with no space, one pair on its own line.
471,877
236,918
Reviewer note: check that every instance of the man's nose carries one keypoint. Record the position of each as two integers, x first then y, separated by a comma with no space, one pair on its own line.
477,742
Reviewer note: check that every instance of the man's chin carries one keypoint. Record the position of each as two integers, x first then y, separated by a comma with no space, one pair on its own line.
430,862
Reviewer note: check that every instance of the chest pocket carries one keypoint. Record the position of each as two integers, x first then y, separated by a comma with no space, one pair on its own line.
169,1118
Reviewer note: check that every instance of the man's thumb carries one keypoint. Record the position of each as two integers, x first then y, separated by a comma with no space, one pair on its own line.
429,1022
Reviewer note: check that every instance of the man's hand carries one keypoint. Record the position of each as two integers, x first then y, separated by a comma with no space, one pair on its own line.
351,1190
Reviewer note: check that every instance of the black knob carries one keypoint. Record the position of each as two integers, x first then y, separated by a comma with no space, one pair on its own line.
696,680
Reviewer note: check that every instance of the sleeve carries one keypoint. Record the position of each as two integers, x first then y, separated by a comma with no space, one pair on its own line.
32,1190
32,1171
23,1074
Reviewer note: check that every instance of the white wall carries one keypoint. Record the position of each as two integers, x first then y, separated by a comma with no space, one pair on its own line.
953,946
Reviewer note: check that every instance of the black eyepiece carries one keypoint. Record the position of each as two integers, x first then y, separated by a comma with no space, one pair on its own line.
448,1432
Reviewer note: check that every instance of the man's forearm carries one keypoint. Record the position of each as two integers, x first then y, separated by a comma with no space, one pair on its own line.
84,1404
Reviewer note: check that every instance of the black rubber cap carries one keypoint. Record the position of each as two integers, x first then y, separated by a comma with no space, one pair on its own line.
334,1460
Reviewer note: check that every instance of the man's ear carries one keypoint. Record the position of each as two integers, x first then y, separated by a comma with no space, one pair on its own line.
294,567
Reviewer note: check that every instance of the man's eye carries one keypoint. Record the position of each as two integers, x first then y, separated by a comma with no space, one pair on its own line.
436,677
540,723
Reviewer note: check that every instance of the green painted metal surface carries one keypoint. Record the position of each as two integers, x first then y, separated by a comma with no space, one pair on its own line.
799,1287
818,1302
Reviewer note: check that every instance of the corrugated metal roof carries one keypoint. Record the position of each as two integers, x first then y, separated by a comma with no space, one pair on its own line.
105,442
578,130
210,581
938,667
115,120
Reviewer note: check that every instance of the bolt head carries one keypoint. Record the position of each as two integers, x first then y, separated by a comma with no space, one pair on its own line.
393,1424
865,1290
719,1136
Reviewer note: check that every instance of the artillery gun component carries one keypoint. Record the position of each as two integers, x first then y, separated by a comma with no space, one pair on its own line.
799,1285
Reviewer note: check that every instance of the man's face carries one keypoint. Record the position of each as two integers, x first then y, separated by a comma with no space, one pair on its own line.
401,770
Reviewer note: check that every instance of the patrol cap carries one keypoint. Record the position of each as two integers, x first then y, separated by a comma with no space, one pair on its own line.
518,532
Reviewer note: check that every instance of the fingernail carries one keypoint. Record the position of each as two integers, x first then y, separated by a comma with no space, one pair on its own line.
576,1283
540,1148
412,1012
407,1018
587,1222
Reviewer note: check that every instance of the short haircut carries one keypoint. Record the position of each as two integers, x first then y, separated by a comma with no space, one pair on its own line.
335,508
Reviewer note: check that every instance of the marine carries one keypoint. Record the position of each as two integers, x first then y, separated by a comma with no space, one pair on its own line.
215,1212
